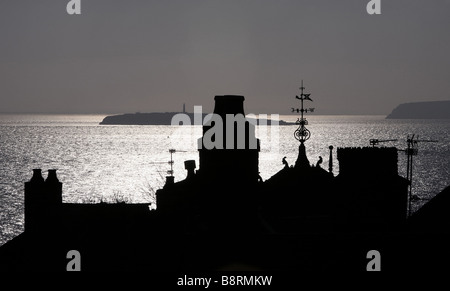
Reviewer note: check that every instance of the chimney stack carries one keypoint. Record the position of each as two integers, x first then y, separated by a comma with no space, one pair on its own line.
231,158
190,167
42,200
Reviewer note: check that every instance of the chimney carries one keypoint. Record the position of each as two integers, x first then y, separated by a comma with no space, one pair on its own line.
229,104
190,167
53,188
234,153
37,176
170,180
42,201
34,191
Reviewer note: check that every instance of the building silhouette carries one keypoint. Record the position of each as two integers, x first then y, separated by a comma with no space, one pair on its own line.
222,214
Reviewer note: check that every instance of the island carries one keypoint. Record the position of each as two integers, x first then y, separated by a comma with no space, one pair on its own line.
422,110
164,118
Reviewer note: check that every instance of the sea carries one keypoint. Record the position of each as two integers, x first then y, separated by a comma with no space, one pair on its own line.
129,163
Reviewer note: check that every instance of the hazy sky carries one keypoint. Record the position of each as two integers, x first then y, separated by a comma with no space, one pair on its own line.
136,55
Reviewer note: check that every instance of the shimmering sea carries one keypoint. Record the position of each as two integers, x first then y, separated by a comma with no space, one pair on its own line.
112,163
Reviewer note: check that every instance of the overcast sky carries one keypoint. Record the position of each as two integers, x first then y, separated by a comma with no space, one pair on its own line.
136,55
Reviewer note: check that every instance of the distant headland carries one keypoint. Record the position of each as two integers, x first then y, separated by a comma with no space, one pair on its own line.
422,110
162,118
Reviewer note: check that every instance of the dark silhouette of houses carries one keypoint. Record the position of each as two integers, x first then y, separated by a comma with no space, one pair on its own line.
367,190
223,214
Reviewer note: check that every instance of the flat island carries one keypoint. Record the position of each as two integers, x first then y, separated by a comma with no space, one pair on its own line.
161,118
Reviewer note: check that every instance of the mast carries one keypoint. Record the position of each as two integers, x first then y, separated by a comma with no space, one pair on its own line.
411,151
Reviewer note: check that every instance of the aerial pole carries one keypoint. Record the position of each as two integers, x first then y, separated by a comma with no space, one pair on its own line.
374,142
411,151
171,162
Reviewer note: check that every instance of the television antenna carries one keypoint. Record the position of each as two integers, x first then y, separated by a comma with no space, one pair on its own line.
411,151
374,142
171,162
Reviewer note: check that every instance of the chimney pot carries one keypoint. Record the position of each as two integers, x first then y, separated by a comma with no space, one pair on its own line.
37,176
52,176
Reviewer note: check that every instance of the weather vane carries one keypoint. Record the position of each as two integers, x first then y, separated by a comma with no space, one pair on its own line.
302,133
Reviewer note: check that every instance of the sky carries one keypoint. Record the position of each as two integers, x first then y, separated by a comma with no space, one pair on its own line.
148,56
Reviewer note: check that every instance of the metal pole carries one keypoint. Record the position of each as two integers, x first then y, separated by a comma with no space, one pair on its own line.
407,173
410,183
